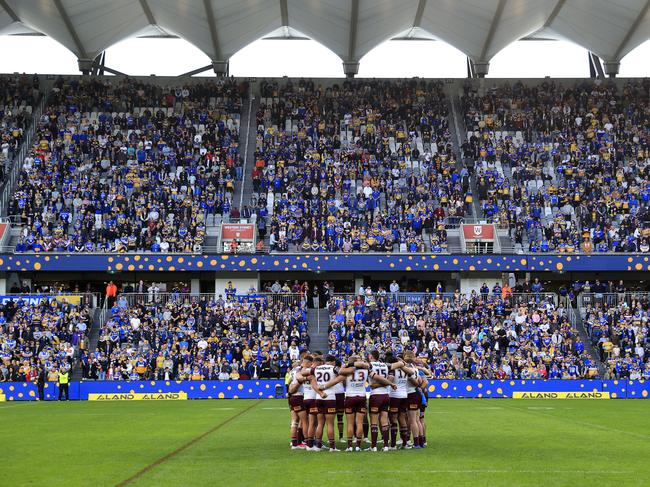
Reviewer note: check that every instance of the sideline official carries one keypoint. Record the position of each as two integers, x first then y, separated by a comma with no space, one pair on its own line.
64,381
40,383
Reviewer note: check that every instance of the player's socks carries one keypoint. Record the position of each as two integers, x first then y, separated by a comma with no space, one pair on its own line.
374,432
332,443
349,442
366,426
393,435
301,438
319,443
420,442
385,430
294,441
310,442
404,433
424,439
359,442
339,418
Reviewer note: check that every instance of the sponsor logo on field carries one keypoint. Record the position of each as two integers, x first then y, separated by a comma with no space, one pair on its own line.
560,395
131,396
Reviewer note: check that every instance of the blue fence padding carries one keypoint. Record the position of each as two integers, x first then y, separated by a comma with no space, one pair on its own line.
323,262
262,389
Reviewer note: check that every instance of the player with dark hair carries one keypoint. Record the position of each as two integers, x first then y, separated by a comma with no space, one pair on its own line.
414,399
310,394
381,380
399,403
355,375
299,422
324,373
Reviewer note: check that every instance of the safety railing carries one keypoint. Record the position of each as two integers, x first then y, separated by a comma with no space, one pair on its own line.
413,297
611,299
91,299
19,158
162,298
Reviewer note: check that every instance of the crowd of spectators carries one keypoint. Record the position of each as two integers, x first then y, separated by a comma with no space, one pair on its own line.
40,333
355,167
196,338
565,167
19,95
618,326
124,165
489,334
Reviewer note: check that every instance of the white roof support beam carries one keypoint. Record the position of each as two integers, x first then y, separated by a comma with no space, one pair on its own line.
351,64
493,28
554,13
209,14
9,10
71,30
220,65
419,13
284,13
147,12
631,31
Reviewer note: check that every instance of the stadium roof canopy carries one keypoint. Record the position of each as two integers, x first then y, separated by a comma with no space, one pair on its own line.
350,28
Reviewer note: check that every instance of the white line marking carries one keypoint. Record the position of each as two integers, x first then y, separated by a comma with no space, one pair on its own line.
584,423
221,409
538,407
494,471
491,408
277,409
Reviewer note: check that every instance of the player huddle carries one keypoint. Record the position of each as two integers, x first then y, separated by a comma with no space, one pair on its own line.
322,389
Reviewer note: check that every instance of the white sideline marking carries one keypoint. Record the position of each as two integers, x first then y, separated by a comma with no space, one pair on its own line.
539,407
221,409
585,423
493,471
490,407
277,409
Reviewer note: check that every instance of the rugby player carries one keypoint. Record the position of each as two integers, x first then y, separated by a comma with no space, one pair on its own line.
355,375
414,398
399,403
299,423
381,380
305,378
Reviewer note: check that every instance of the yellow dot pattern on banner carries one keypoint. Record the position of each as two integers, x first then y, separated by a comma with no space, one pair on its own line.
221,395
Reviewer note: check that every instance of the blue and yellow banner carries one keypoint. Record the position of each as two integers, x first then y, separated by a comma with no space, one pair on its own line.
264,389
322,262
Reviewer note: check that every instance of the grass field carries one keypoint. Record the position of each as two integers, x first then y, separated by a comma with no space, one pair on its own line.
204,442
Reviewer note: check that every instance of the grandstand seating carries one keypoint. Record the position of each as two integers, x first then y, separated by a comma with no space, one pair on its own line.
563,166
185,338
50,334
18,96
496,335
124,165
361,166
618,326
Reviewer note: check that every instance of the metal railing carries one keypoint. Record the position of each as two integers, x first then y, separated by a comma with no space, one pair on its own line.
162,298
91,299
611,299
19,158
413,297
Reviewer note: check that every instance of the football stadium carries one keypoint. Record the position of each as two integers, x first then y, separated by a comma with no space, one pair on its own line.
349,242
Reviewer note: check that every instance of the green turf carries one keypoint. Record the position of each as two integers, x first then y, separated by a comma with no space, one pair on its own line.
471,442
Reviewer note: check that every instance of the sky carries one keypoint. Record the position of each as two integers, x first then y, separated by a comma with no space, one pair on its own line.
294,58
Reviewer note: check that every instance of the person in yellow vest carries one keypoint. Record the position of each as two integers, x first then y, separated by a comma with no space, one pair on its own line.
64,381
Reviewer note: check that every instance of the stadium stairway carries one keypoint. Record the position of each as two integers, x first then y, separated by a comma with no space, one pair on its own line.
18,159
584,336
93,339
247,145
318,320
